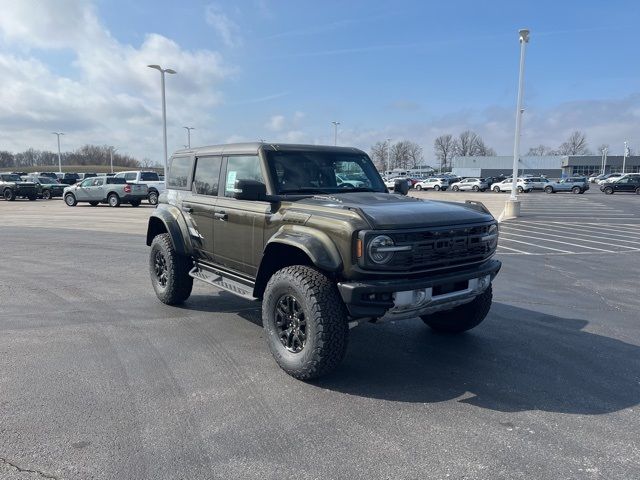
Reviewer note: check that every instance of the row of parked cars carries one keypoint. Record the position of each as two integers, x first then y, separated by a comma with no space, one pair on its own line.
113,189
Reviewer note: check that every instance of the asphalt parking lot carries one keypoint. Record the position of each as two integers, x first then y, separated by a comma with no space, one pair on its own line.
100,380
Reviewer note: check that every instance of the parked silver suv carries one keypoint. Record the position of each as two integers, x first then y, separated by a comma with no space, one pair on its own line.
110,190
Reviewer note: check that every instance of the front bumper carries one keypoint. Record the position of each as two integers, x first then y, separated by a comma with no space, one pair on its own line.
407,298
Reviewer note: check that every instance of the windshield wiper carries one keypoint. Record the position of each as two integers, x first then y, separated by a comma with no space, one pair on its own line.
356,189
302,191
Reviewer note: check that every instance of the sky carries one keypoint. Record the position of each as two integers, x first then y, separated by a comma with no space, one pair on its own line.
282,71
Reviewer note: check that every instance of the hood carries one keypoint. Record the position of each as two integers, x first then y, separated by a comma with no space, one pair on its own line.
391,211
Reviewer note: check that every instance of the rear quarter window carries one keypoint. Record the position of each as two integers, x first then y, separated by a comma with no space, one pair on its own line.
179,172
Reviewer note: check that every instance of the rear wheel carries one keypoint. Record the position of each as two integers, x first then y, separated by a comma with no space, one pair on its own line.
638,191
46,194
436,188
520,189
476,188
462,318
548,189
9,195
113,200
305,322
153,197
169,271
576,190
418,187
455,188
70,200
608,190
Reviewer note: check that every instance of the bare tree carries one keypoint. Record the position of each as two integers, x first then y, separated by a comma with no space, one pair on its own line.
576,144
414,153
379,155
470,144
6,159
444,147
539,151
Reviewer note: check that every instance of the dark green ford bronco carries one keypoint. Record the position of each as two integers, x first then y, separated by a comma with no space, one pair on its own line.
313,233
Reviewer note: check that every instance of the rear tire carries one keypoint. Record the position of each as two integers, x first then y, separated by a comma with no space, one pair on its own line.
638,191
70,200
418,187
576,190
114,200
476,188
9,195
169,271
462,318
520,189
436,188
305,322
46,194
455,188
548,189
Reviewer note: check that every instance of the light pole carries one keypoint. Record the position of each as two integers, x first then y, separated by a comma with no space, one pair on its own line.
335,132
57,134
188,129
604,159
512,208
389,152
626,154
112,149
164,110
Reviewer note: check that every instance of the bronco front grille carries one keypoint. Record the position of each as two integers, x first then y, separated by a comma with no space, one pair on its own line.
440,247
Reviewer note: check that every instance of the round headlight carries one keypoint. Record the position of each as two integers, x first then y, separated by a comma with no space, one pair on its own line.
376,249
493,234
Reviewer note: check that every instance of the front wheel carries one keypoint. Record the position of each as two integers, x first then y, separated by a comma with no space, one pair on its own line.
305,322
455,188
520,189
638,191
46,194
462,318
476,188
153,198
9,195
576,190
496,189
418,187
548,189
169,271
70,200
436,188
608,190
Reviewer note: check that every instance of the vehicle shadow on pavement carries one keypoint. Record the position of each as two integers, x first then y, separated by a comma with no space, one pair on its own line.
517,360
224,302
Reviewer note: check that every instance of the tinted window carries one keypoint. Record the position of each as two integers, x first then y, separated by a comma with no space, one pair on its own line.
241,168
149,177
130,176
179,170
116,181
207,176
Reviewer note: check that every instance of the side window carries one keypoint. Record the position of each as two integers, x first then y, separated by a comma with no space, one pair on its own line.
207,176
241,168
87,183
130,176
179,170
98,182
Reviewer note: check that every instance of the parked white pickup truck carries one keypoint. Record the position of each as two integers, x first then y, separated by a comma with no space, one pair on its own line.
151,179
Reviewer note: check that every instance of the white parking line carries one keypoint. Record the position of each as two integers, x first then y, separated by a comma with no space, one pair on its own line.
513,250
621,226
580,239
535,245
606,230
573,231
564,243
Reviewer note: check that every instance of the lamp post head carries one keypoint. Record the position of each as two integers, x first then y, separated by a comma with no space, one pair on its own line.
157,67
169,70
523,34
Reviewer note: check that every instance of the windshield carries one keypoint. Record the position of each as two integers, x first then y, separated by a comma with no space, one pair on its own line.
149,177
322,172
11,177
46,180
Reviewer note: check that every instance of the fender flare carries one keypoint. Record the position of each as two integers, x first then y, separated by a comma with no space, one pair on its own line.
317,245
174,224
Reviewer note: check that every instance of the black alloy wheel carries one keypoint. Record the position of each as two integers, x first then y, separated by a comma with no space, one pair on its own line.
291,323
46,194
160,268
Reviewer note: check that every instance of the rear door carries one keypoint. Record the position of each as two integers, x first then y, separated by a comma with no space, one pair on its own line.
238,226
201,204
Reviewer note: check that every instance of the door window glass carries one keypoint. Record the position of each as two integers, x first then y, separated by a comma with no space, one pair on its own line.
98,182
179,172
241,168
87,183
130,176
207,176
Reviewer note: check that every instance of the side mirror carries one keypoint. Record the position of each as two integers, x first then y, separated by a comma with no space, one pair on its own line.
246,189
401,187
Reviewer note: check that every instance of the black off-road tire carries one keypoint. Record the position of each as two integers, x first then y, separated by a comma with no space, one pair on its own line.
462,318
70,200
9,195
326,328
113,200
176,286
153,197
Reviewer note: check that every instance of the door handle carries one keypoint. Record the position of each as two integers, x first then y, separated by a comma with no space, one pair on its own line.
221,216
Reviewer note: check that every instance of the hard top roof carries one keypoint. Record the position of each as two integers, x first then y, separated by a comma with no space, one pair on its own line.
252,148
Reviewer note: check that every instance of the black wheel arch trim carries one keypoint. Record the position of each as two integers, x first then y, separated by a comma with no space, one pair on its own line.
173,223
317,245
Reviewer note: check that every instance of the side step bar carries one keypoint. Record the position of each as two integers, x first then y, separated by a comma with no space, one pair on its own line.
221,280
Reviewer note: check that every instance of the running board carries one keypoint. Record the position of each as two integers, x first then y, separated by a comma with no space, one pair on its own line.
225,283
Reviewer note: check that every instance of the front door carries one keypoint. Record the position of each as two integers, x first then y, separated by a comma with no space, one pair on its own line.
239,224
83,191
96,190
626,184
199,209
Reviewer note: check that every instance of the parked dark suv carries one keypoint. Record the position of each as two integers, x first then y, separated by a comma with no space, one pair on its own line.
12,187
274,223
629,183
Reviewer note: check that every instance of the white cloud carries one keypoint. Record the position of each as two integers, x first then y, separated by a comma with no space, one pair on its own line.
226,28
110,97
275,123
